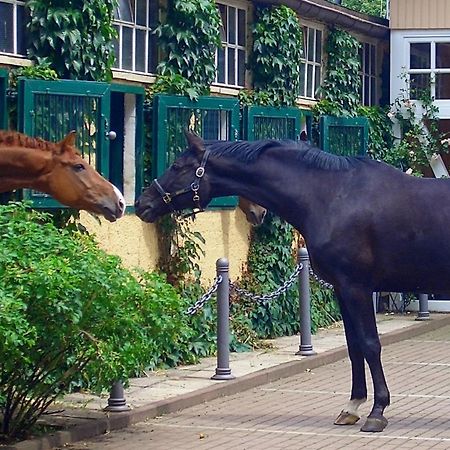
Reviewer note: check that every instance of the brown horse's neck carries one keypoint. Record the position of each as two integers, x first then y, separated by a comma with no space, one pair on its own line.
22,167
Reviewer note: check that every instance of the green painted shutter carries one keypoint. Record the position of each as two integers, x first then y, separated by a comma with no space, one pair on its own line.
347,136
211,117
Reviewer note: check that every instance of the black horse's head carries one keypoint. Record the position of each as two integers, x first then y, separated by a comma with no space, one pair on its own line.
184,185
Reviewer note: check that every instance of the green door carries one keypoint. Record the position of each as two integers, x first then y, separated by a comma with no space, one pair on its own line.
3,105
51,109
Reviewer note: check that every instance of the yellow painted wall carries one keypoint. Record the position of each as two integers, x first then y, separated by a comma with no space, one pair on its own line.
226,233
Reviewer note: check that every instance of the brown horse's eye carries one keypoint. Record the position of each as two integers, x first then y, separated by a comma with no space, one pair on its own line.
78,167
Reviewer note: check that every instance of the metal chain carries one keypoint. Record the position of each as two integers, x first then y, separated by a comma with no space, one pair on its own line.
320,281
200,303
261,298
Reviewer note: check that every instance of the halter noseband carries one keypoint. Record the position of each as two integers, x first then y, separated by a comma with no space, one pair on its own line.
167,197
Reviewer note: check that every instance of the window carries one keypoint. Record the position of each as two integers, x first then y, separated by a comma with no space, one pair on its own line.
311,63
135,46
230,59
429,67
367,59
12,27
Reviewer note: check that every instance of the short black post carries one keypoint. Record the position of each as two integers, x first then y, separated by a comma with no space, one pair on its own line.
305,348
423,313
223,371
116,400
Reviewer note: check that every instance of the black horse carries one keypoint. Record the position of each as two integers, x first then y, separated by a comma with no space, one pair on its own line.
368,227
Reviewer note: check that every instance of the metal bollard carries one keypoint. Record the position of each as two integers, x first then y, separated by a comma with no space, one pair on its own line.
223,371
305,347
116,400
423,313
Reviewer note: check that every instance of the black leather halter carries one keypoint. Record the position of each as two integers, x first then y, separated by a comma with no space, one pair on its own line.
194,186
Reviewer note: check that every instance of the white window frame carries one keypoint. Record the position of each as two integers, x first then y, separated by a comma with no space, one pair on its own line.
306,61
400,60
236,46
370,73
15,51
120,25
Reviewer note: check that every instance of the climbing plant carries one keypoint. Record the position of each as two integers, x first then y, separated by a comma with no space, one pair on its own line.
190,37
339,91
74,37
277,48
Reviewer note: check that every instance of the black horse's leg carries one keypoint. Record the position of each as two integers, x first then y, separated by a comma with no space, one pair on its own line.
349,415
358,303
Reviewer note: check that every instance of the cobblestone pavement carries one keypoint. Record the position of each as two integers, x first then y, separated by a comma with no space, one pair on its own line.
298,412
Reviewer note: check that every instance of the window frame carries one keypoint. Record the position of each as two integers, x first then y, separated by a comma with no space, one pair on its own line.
306,62
226,46
150,52
16,51
368,73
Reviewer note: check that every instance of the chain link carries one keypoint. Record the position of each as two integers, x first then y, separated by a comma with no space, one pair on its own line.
261,298
200,303
320,281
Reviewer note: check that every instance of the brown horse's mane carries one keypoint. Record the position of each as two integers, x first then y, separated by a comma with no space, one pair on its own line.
16,139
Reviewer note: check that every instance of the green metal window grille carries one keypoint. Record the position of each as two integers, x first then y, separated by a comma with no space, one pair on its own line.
51,109
213,118
3,104
344,136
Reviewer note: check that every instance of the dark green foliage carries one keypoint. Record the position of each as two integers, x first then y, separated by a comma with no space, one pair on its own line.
340,90
190,37
74,37
372,7
277,48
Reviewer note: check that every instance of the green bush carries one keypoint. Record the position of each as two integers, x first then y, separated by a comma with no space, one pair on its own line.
71,315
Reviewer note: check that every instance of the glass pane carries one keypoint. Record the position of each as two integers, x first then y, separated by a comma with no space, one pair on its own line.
152,53
420,56
442,54
361,57
366,89
241,67
141,12
443,85
116,48
152,13
6,28
21,31
241,27
310,44
366,58
140,50
309,81
316,79
125,10
231,66
221,65
127,48
319,46
231,25
418,82
372,59
302,78
224,27
361,89
372,91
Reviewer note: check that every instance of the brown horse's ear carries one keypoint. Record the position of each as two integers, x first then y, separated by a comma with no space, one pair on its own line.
195,142
68,141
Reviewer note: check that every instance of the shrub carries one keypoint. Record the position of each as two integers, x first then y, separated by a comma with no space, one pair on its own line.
70,314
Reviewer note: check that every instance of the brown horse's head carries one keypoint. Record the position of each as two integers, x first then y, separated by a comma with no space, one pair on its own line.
253,212
73,182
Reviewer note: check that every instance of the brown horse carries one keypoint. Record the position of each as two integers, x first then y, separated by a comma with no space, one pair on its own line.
253,212
56,169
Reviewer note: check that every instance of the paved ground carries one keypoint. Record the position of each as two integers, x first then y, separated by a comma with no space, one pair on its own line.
298,412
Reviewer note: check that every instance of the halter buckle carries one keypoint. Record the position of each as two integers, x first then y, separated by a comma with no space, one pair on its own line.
200,172
167,198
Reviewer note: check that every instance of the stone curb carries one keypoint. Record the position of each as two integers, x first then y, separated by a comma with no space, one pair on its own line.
115,421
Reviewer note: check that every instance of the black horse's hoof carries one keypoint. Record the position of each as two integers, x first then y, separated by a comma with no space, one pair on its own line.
374,424
346,418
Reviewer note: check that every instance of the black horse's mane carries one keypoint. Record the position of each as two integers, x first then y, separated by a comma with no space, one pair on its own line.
249,151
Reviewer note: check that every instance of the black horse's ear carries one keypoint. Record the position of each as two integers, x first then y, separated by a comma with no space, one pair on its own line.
195,142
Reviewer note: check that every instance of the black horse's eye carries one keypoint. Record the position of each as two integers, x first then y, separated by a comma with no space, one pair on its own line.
78,167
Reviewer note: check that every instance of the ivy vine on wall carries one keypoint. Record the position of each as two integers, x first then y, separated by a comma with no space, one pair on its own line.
74,37
190,37
277,48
